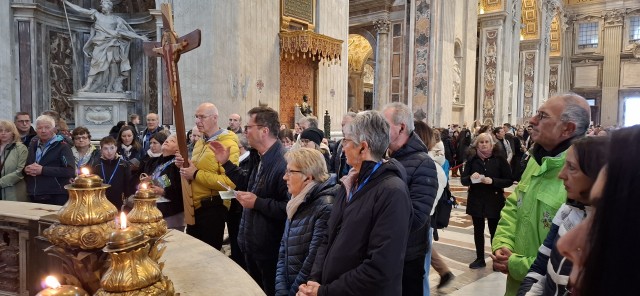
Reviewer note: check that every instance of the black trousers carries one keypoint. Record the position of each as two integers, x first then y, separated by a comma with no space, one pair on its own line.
412,276
209,226
51,199
478,233
233,226
263,272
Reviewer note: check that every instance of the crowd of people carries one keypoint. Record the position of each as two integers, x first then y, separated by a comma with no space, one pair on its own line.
358,216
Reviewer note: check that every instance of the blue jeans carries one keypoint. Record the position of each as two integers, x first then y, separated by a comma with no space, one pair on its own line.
427,265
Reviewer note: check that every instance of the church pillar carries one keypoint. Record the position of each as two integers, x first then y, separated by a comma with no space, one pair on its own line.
419,52
441,77
564,73
383,62
549,10
491,68
612,42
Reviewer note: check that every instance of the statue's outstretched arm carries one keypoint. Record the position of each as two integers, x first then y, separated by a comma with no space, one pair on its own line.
78,8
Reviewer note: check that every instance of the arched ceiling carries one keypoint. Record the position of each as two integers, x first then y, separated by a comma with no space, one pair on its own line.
359,51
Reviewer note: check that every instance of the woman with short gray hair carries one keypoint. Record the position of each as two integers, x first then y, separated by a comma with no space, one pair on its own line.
369,224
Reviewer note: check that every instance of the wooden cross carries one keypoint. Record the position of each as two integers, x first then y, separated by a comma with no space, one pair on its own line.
169,49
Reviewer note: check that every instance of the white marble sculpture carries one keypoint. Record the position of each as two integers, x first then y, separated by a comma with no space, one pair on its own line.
108,48
456,81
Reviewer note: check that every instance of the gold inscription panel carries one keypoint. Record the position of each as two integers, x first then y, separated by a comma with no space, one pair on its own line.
302,10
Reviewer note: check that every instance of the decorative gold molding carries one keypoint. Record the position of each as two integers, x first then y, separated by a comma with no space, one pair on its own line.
530,20
490,6
310,44
556,40
300,14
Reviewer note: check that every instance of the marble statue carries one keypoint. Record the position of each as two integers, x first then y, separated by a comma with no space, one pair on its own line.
108,48
306,109
456,82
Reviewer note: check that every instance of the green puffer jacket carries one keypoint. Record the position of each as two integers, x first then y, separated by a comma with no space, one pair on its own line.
527,216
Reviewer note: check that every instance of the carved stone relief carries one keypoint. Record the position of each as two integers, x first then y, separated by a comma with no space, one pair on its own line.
614,17
421,54
99,115
490,57
553,80
529,82
367,74
382,25
60,74
9,261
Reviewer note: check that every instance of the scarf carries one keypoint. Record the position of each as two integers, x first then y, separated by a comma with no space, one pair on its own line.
151,154
126,150
82,160
294,202
484,155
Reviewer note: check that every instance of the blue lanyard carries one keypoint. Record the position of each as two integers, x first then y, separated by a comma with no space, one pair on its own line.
41,151
112,174
365,181
160,168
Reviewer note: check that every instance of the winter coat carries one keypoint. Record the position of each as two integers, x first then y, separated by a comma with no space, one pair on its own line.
464,141
486,200
302,236
168,178
12,184
58,167
261,228
145,137
363,251
119,177
422,180
527,216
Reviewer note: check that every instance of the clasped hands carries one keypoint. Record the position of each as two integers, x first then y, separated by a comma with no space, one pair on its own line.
501,260
33,169
484,180
309,289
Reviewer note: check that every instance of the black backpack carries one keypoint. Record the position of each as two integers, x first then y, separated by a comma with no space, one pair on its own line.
440,217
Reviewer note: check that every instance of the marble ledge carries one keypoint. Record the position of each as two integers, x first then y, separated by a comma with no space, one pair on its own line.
26,210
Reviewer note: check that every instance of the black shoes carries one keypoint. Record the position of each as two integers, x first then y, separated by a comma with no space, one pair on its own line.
445,279
479,263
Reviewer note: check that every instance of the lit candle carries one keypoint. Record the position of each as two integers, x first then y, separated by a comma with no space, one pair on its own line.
125,237
123,221
54,288
85,172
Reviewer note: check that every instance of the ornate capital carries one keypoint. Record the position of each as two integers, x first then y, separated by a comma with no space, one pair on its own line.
635,49
614,17
382,25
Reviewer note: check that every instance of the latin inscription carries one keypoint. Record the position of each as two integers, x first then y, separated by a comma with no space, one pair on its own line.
299,9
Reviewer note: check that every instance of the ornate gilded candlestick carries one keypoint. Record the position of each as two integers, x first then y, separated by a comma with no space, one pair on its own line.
54,288
131,270
87,219
145,214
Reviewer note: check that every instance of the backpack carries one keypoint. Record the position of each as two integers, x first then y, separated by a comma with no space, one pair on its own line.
442,214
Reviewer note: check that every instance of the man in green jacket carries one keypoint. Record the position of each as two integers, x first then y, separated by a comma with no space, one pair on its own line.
526,218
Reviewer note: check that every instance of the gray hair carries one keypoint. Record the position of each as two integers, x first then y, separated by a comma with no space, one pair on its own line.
401,114
309,161
242,140
575,112
312,120
46,119
370,127
350,114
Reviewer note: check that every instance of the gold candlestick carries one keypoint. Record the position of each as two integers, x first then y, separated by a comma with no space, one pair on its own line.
145,213
86,220
131,270
55,289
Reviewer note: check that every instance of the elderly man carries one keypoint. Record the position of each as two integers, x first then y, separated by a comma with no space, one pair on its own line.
263,196
23,123
363,249
422,180
50,164
339,164
153,126
235,123
205,175
527,216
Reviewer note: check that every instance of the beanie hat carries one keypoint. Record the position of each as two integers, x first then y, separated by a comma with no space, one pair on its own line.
312,134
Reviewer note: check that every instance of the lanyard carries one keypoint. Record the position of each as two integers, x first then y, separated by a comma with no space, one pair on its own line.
160,168
112,174
364,182
41,151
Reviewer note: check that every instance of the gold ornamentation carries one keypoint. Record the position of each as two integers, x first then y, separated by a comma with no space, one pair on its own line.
89,237
310,44
145,214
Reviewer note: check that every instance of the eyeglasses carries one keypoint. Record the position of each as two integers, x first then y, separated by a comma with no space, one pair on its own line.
246,127
542,115
23,121
80,138
201,117
288,172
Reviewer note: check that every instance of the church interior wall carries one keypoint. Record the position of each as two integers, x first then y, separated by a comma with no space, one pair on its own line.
8,93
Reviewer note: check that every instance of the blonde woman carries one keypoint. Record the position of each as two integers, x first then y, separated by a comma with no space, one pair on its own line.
13,156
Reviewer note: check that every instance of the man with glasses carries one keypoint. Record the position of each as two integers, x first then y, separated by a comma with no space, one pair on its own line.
527,216
153,126
207,177
23,123
263,196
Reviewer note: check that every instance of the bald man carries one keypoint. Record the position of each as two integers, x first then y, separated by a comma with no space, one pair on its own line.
235,123
205,174
528,212
153,126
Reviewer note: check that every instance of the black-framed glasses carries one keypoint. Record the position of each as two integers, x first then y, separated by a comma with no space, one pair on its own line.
542,115
288,172
202,117
246,127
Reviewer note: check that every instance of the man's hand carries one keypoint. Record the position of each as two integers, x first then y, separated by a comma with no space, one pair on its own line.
33,169
246,199
501,259
308,289
222,153
187,172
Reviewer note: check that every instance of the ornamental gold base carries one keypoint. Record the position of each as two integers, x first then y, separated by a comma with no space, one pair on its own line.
159,288
153,229
80,237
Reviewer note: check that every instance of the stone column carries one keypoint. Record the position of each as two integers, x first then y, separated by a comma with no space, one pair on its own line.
420,57
441,71
549,10
564,73
383,63
612,43
492,76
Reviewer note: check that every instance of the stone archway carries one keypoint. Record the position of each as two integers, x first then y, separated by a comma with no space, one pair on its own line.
361,52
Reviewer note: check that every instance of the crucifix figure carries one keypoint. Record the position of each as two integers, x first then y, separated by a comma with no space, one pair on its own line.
169,49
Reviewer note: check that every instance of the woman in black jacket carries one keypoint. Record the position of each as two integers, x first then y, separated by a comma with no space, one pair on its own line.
487,173
312,193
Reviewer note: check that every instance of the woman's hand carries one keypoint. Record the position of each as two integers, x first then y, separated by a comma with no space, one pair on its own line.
487,180
475,176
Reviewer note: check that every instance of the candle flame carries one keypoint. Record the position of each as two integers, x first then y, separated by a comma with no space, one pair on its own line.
85,171
123,220
52,282
143,186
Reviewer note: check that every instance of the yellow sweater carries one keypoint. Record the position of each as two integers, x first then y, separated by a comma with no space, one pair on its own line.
210,171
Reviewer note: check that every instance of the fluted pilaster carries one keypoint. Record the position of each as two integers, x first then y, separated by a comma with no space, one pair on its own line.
611,66
383,64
